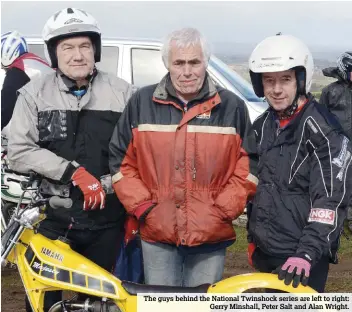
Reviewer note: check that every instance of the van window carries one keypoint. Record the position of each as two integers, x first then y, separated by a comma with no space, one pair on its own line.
37,49
147,67
109,60
109,57
244,87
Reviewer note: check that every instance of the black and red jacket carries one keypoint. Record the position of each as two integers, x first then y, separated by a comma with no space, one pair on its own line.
197,164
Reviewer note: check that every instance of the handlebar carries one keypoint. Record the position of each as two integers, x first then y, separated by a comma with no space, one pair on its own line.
26,183
13,180
54,202
8,170
31,175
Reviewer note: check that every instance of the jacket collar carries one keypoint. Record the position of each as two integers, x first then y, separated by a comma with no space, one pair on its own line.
165,90
67,84
294,122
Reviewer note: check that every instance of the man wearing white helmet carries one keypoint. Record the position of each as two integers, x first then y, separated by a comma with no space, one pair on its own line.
304,169
20,67
61,129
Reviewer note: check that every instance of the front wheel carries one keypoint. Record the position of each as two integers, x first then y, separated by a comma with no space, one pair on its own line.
7,210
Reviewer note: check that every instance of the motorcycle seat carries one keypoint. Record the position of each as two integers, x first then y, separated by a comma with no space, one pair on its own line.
134,288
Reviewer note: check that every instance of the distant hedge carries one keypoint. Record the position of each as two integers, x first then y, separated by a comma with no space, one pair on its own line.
317,95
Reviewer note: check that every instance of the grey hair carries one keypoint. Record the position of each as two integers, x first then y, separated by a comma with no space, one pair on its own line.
185,38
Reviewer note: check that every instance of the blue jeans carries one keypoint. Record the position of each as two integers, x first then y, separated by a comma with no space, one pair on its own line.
164,264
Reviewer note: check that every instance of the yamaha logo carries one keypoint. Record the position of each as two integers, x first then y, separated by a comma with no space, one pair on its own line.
52,254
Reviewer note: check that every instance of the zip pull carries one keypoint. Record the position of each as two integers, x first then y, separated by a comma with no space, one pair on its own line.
194,170
281,153
69,228
185,108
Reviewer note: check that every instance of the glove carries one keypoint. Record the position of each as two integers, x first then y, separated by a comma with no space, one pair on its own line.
295,269
250,251
94,195
142,210
131,229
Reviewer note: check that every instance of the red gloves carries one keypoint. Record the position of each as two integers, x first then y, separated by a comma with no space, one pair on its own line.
250,250
295,269
94,195
131,228
132,222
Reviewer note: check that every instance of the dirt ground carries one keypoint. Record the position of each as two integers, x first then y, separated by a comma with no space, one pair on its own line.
340,280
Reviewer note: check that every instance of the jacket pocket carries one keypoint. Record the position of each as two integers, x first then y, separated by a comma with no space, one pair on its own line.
290,217
52,125
220,211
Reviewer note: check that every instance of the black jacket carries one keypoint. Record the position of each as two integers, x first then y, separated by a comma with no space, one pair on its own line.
14,80
337,96
304,184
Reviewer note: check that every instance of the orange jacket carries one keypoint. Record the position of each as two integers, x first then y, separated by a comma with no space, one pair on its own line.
194,164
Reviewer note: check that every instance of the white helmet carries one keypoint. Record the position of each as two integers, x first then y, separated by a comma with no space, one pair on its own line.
70,22
280,53
13,45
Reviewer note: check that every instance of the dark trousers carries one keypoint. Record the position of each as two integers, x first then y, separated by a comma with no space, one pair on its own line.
318,274
100,246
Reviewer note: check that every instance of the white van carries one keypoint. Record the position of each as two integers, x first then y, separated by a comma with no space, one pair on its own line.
139,62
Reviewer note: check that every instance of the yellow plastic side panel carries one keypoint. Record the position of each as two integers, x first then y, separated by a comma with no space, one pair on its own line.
56,265
244,282
130,305
34,289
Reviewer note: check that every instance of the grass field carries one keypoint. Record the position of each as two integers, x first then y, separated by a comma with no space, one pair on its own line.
345,250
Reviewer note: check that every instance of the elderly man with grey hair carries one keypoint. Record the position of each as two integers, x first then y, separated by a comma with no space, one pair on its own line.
182,163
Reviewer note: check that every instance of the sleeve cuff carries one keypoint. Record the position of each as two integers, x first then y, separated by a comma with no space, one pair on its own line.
70,169
142,208
305,256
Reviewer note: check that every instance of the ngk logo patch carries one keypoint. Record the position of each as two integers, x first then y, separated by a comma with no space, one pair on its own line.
322,216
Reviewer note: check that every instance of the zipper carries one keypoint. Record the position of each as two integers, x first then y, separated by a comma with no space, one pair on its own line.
79,97
194,170
278,131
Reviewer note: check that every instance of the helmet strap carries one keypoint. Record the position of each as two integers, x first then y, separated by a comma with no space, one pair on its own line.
288,112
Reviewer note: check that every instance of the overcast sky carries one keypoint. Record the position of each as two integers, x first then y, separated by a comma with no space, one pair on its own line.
319,24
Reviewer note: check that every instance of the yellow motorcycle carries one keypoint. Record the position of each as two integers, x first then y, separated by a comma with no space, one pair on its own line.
49,265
